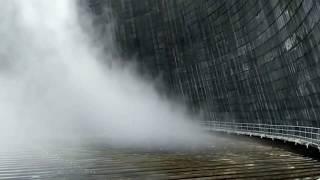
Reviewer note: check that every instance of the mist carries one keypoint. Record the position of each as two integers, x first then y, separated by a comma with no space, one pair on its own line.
56,84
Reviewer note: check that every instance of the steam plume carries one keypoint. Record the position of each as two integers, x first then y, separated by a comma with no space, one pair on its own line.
54,86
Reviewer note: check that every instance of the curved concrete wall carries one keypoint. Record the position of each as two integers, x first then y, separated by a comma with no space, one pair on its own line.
242,61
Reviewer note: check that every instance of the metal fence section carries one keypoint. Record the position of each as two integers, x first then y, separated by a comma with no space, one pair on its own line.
309,136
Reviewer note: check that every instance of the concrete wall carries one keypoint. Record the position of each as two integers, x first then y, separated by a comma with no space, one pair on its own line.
253,61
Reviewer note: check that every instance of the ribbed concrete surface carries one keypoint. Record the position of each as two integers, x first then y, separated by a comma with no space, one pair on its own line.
226,160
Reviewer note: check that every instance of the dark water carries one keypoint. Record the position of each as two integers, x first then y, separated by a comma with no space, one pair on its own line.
227,159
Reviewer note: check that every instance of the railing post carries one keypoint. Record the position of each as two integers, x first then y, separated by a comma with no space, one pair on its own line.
305,134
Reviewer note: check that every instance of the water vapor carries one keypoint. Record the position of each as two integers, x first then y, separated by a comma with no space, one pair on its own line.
54,84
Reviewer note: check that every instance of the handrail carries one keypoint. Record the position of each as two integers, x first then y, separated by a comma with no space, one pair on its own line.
261,124
298,134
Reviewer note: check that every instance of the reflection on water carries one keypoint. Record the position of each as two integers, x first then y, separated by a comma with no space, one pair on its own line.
229,159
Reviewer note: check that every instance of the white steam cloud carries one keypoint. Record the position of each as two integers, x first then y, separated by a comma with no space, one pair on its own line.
54,86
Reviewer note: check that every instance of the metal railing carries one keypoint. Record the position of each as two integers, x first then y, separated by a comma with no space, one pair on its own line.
309,136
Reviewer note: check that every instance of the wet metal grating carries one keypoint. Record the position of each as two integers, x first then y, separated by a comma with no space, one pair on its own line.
228,160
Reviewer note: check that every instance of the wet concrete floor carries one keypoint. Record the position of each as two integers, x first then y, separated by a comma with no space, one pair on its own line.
224,159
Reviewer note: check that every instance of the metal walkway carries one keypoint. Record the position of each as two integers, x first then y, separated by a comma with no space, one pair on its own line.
227,159
308,136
